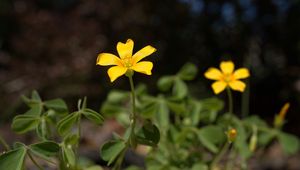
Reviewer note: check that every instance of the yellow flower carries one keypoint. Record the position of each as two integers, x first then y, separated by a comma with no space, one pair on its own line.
126,61
227,77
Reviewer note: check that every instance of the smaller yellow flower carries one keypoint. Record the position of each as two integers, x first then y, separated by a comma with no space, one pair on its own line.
227,77
126,61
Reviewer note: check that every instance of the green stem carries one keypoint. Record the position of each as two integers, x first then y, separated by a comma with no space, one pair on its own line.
230,103
34,162
219,156
3,142
131,140
132,115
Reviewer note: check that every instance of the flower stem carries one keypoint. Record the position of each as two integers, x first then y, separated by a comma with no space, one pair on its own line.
132,115
3,142
230,104
131,140
219,156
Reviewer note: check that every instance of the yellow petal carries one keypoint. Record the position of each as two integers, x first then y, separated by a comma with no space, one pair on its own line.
144,52
237,85
115,72
241,73
227,67
125,50
143,67
213,74
106,59
218,86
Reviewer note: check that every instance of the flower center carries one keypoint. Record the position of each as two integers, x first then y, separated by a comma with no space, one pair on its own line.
127,62
228,78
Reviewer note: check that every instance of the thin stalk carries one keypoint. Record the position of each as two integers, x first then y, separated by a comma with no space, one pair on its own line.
219,156
132,115
131,139
3,142
34,162
230,103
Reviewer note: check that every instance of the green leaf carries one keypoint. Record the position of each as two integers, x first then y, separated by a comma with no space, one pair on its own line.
35,96
13,160
212,104
111,150
24,123
68,154
255,120
165,83
56,104
180,89
178,108
265,138
71,139
45,149
35,110
199,166
110,109
289,143
188,71
65,125
42,129
162,114
117,96
93,116
210,136
149,134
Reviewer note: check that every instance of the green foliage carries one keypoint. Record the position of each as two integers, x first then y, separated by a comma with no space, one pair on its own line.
184,132
13,160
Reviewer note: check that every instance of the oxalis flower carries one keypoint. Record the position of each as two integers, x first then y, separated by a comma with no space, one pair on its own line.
227,77
126,62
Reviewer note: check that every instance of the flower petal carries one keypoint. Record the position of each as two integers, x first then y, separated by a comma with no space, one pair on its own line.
241,73
237,85
143,67
125,50
115,72
227,67
144,52
106,59
218,86
213,74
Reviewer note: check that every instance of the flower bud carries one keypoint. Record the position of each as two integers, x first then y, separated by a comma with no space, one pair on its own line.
231,134
280,117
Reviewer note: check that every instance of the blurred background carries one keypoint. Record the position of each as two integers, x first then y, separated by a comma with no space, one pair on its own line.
52,46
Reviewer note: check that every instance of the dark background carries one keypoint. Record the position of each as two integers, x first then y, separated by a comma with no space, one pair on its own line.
52,46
